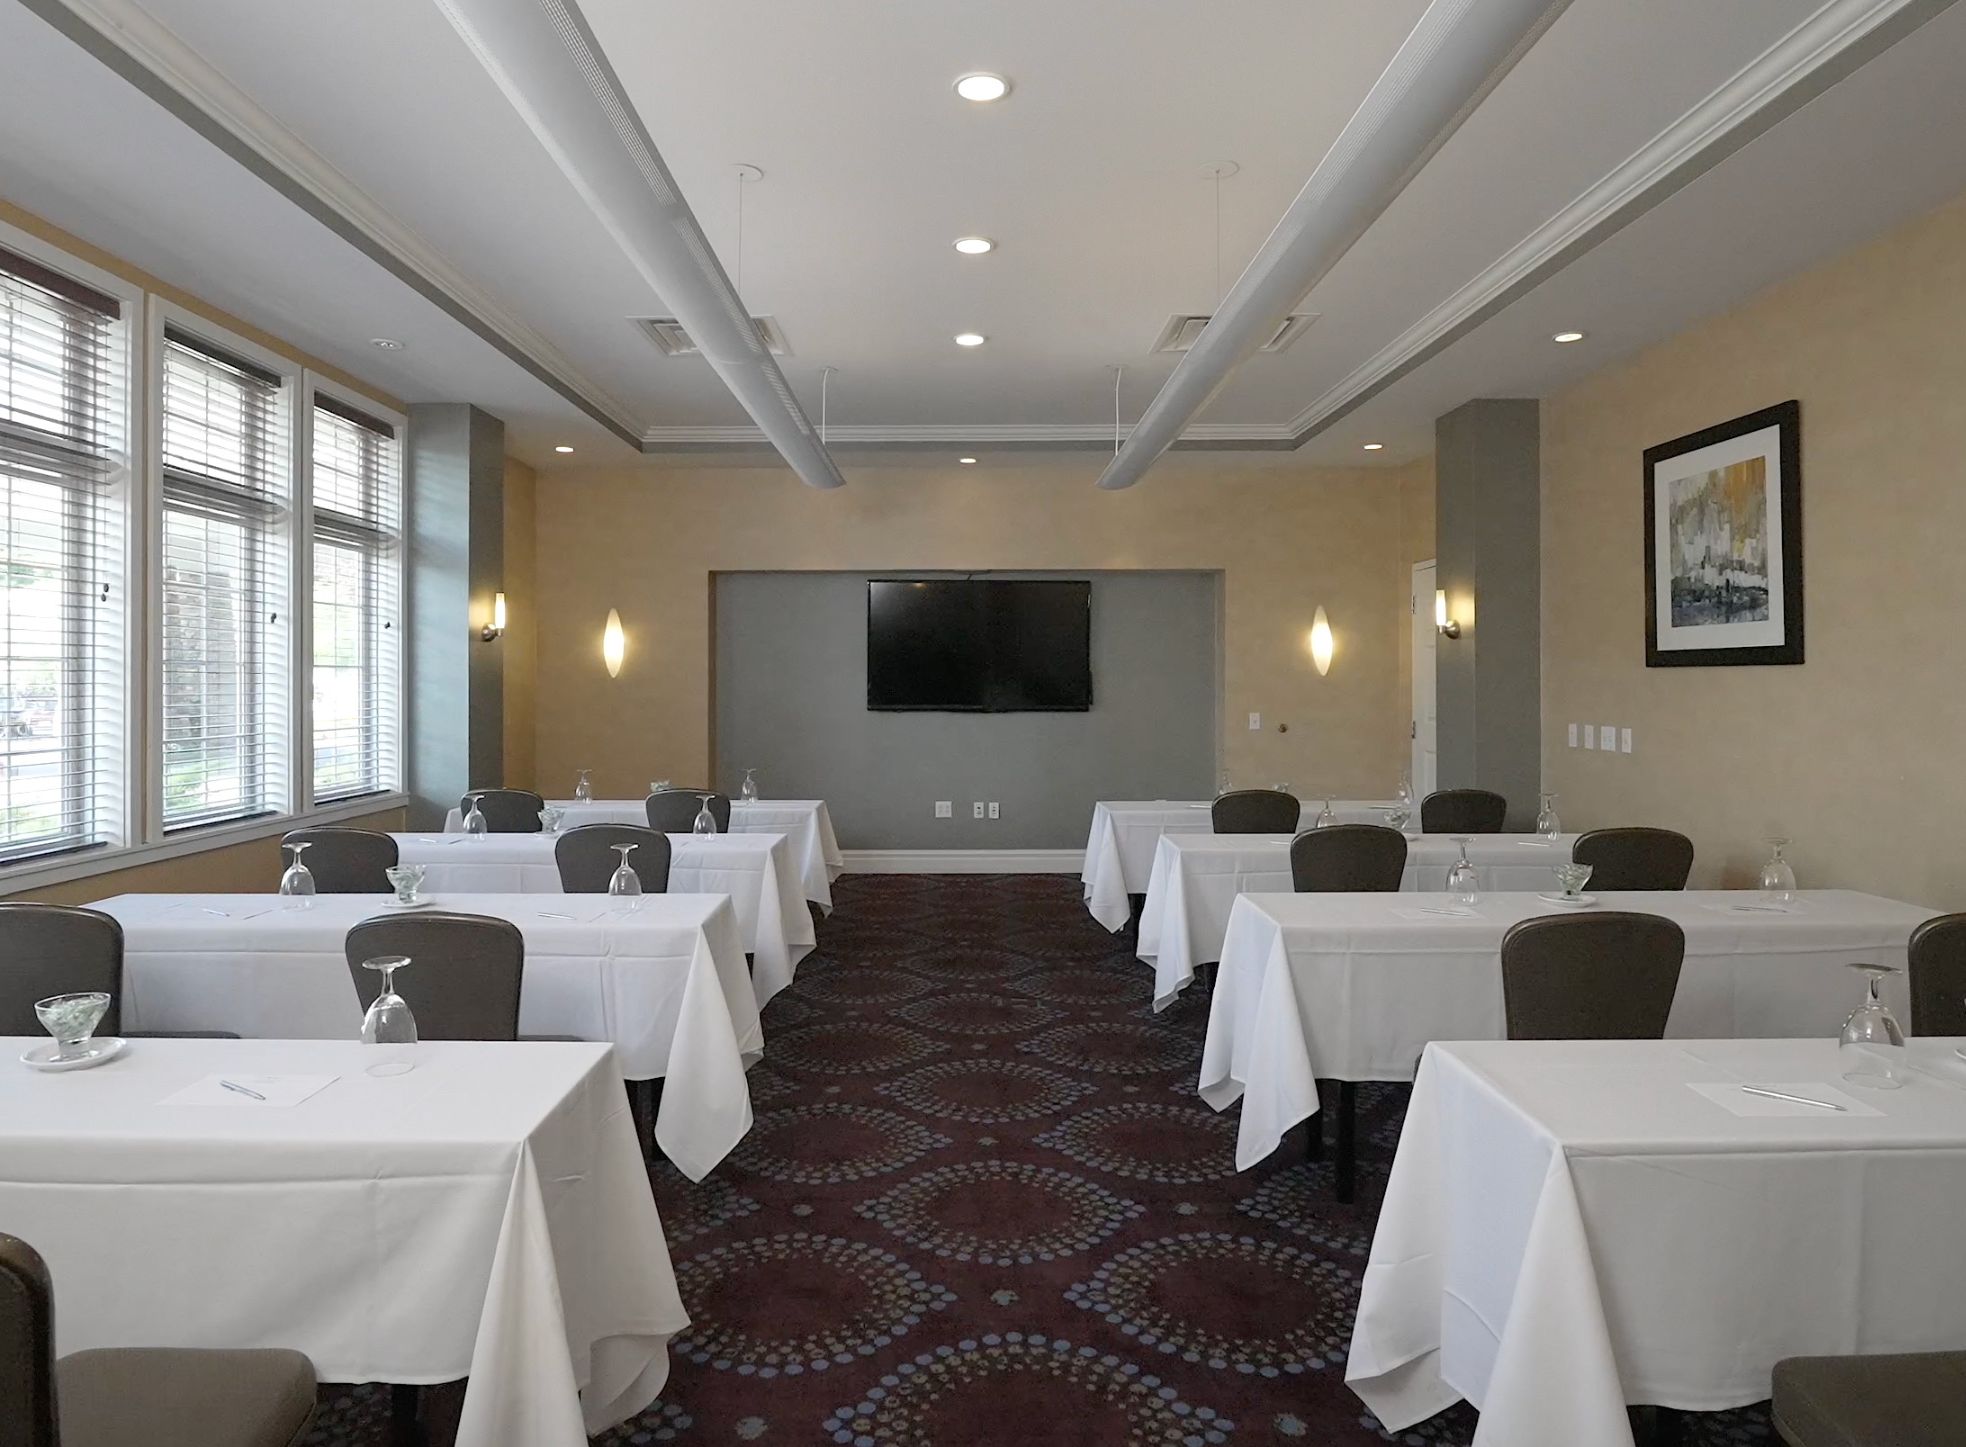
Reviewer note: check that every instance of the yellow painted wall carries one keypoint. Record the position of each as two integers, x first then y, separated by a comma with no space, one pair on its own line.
521,641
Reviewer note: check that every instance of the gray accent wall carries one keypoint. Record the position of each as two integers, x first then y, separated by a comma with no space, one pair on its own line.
791,699
1488,525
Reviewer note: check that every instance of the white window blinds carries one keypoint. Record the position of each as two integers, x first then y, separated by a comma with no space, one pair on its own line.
225,585
357,585
63,489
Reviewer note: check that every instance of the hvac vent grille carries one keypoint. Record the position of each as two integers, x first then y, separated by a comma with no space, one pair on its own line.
672,341
1182,332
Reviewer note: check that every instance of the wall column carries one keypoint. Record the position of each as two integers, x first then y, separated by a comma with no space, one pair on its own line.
456,686
1488,510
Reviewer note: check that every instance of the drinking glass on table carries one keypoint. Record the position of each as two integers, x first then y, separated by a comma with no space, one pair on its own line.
1572,878
1872,1047
624,883
1777,875
1223,784
1461,881
298,879
389,1021
583,788
474,819
705,822
550,819
660,786
71,1019
1547,824
1403,796
406,880
1325,818
748,791
1282,788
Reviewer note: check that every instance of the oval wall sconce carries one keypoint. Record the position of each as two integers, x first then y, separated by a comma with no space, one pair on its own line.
495,628
614,644
1447,626
1321,642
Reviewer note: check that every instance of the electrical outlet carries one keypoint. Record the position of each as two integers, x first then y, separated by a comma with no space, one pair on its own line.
976,809
1255,722
945,809
994,811
1573,736
1625,740
1590,736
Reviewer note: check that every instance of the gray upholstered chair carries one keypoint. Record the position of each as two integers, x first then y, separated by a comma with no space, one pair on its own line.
587,859
464,977
1463,811
674,811
1913,1399
1633,858
1605,975
1255,811
1340,858
61,949
506,811
1938,976
159,1396
346,861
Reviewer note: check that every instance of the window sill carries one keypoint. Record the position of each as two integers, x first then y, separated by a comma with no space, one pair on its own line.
66,868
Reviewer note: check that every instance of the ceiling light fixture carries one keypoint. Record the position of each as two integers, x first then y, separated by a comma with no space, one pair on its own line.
966,461
1375,447
1568,337
975,245
982,87
970,339
386,344
562,447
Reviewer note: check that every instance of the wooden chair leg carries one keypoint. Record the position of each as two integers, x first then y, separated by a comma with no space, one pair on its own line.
405,1413
1347,1140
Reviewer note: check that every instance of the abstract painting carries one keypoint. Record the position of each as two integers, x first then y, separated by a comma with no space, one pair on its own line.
1723,544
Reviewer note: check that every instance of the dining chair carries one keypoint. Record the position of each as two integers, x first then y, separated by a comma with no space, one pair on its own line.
1892,1399
1463,811
1633,858
159,1396
464,975
674,811
63,949
587,859
1255,811
346,861
1938,976
506,811
1605,975
1342,858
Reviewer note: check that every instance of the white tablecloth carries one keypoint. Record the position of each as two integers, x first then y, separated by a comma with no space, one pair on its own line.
665,983
1570,1227
1353,986
1119,854
1196,878
806,822
487,1214
755,870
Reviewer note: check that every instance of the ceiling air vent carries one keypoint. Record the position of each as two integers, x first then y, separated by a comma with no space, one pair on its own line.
1182,332
669,337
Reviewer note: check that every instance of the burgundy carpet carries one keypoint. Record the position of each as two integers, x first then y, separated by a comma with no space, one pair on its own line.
982,1204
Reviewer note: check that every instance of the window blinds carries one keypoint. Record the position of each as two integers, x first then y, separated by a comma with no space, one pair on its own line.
225,585
357,584
63,604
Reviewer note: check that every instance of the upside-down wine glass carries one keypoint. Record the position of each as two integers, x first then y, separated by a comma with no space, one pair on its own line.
1223,784
388,1020
705,822
1547,824
1461,881
748,791
583,787
1777,875
1325,818
624,883
1871,1049
474,821
298,879
1403,797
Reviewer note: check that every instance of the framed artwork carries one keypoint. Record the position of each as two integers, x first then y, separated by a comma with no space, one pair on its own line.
1723,544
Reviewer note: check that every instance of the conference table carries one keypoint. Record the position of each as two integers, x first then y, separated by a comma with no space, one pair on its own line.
806,823
1353,986
661,977
486,1215
1571,1226
1197,878
755,870
1119,853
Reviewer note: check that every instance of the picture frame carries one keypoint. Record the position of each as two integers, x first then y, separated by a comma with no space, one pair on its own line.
1723,544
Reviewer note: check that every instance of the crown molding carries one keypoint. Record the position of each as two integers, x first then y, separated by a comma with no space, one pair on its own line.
128,40
1833,43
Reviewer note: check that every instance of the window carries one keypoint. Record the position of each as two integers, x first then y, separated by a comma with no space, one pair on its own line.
225,580
63,484
358,529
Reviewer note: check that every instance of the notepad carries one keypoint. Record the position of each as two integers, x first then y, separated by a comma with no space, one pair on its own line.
238,1091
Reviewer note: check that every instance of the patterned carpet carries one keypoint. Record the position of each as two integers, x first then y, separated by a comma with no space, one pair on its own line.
982,1205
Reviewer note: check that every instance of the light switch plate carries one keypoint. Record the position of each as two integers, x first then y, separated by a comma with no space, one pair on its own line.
1255,721
945,809
994,811
1573,736
1625,740
976,809
1590,736
1607,738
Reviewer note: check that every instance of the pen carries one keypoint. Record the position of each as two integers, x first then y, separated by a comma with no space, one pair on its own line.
1798,1099
240,1089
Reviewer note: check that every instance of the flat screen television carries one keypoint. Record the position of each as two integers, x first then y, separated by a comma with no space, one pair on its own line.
967,645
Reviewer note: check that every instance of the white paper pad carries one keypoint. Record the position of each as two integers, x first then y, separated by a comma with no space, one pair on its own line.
586,915
279,1090
1731,1097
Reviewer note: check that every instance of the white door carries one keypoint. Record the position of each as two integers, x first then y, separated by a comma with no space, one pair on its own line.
1425,637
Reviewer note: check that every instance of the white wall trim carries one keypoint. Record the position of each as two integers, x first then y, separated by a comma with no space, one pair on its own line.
963,861
982,434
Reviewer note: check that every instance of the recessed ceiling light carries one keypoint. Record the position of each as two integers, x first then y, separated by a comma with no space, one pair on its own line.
1568,337
966,461
387,344
975,245
981,86
562,447
970,339
1375,447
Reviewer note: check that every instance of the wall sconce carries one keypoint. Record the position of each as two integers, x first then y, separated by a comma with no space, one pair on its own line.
1447,626
614,644
1320,641
495,628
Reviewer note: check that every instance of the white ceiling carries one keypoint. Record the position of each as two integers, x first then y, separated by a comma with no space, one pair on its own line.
1088,176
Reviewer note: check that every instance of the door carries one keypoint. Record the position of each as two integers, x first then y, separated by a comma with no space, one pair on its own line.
1425,639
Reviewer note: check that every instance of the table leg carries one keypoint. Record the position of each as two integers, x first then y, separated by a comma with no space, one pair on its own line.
1314,1133
1347,1139
405,1409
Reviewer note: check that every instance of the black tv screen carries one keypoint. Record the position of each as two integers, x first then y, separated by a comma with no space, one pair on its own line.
955,645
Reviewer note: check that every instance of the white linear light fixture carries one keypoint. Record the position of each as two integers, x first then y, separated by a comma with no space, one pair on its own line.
1457,53
545,59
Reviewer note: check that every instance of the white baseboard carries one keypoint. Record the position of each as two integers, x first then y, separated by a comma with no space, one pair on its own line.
963,861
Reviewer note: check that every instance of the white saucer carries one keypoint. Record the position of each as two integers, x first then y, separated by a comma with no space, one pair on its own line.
1581,901
394,903
102,1049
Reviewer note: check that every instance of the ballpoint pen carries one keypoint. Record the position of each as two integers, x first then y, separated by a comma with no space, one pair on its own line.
241,1090
1798,1099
